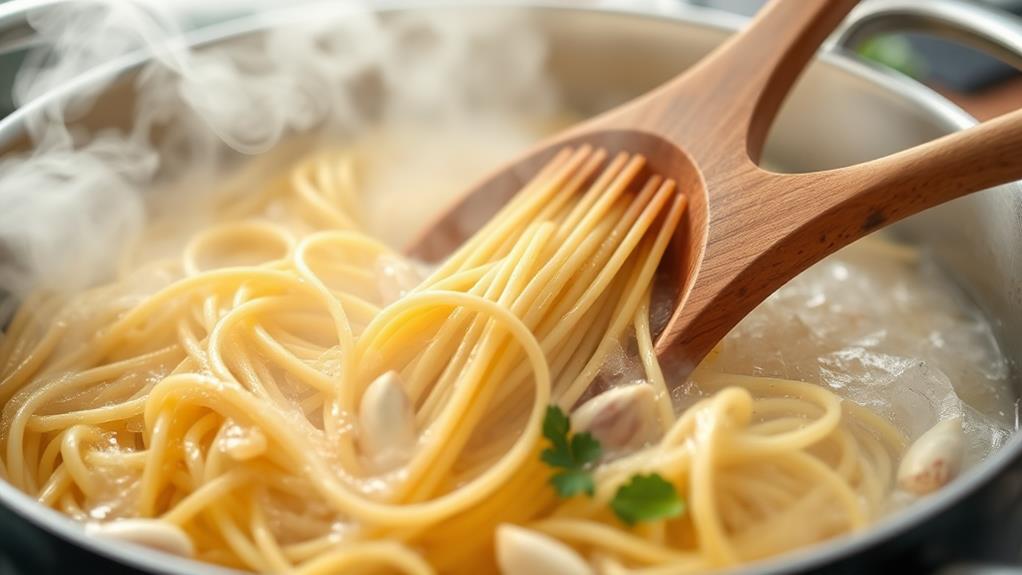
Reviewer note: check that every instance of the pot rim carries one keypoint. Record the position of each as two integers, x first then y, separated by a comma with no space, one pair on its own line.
815,556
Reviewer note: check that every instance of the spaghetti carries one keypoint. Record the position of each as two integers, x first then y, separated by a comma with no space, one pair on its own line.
258,393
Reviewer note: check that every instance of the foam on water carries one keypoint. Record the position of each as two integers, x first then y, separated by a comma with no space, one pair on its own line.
879,324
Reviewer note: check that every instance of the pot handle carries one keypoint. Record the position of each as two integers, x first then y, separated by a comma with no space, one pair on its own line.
986,29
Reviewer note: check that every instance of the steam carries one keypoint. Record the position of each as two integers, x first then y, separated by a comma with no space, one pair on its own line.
77,198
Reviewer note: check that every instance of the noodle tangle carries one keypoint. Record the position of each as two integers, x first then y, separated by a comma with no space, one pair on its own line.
228,392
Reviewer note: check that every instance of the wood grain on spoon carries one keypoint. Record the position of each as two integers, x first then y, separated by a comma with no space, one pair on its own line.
747,231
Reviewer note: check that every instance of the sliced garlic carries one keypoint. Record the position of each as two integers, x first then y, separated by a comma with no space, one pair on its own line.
396,277
523,551
387,433
622,419
151,533
934,459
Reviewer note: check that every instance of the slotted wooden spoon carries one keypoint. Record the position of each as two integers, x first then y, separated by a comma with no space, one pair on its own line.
747,231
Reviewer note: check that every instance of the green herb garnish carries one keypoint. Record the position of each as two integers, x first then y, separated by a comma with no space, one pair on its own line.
646,498
643,498
570,453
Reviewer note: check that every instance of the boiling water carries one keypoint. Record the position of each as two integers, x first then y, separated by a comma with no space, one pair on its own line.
878,323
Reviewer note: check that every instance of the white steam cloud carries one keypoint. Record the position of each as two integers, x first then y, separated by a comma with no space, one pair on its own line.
69,205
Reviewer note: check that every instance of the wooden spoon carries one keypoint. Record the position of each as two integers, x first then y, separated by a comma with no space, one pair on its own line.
747,231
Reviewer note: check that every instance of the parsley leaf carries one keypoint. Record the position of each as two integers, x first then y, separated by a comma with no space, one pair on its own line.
573,482
585,448
557,458
570,453
555,428
646,498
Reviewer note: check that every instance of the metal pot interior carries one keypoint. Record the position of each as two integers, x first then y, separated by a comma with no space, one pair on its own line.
840,113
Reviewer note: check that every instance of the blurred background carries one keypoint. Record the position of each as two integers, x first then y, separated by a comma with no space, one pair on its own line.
982,85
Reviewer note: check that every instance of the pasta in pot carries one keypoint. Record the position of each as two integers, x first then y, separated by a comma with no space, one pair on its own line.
275,400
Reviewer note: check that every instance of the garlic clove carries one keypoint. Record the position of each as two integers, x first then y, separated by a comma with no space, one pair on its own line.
387,433
151,533
623,419
934,459
522,551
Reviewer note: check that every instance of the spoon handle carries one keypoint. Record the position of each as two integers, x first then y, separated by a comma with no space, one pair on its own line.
770,227
735,92
848,203
929,174
794,220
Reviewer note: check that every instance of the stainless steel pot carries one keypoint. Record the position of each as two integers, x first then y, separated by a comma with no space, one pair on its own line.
843,111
